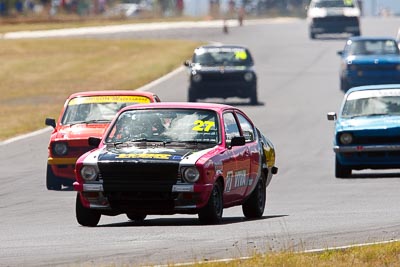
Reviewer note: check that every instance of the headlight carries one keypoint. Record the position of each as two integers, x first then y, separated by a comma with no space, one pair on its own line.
353,67
191,174
196,78
346,138
248,76
89,173
60,149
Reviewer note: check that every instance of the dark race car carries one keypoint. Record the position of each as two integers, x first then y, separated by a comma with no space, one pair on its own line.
222,71
168,158
84,114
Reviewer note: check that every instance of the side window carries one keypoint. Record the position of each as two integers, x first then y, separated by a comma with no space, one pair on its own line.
247,128
231,128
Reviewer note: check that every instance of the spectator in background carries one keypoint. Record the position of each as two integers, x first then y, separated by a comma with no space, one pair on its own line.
179,7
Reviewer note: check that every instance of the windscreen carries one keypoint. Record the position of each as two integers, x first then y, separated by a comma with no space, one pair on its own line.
98,108
372,103
224,56
334,3
165,125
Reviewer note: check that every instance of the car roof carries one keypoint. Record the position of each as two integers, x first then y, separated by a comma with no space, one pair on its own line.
182,105
111,93
373,38
374,87
222,46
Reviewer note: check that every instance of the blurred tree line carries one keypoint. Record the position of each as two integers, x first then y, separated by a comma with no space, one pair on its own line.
14,8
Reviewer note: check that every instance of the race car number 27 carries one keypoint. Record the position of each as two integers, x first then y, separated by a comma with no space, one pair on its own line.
203,126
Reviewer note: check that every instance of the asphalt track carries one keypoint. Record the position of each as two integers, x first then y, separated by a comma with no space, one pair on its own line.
308,208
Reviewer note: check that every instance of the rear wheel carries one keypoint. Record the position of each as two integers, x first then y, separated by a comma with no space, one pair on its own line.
341,171
212,212
52,181
255,204
85,216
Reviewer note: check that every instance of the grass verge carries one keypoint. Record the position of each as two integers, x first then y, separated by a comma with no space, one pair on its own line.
373,256
38,75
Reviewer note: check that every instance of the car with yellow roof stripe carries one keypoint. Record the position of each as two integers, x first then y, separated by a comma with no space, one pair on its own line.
84,115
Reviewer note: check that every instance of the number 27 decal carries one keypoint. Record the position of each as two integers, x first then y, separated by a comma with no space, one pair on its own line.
203,126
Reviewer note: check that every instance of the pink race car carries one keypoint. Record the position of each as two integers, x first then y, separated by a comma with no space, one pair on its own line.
167,158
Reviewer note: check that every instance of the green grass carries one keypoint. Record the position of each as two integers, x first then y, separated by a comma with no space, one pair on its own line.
38,75
364,256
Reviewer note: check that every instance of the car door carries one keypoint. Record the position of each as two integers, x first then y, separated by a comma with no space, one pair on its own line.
252,147
236,166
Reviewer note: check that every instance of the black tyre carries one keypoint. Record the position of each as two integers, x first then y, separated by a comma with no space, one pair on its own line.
312,35
212,212
137,217
85,216
253,97
192,96
255,204
52,181
344,85
341,171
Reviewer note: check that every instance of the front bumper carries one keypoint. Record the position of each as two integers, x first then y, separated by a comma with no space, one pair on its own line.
182,197
63,167
335,24
371,156
365,77
223,89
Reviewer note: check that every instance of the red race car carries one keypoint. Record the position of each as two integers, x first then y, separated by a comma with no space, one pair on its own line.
168,158
85,114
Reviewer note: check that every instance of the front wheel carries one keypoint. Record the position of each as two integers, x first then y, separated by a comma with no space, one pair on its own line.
192,96
137,217
253,97
344,85
341,171
85,216
255,205
312,35
52,181
212,212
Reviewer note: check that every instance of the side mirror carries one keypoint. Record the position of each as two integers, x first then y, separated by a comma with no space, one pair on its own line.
94,141
187,63
331,116
340,53
238,141
50,122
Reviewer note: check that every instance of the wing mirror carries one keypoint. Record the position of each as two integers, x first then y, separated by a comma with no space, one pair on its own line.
50,122
237,141
331,116
94,141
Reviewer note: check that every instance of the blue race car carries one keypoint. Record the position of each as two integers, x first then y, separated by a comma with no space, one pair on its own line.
367,130
368,61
